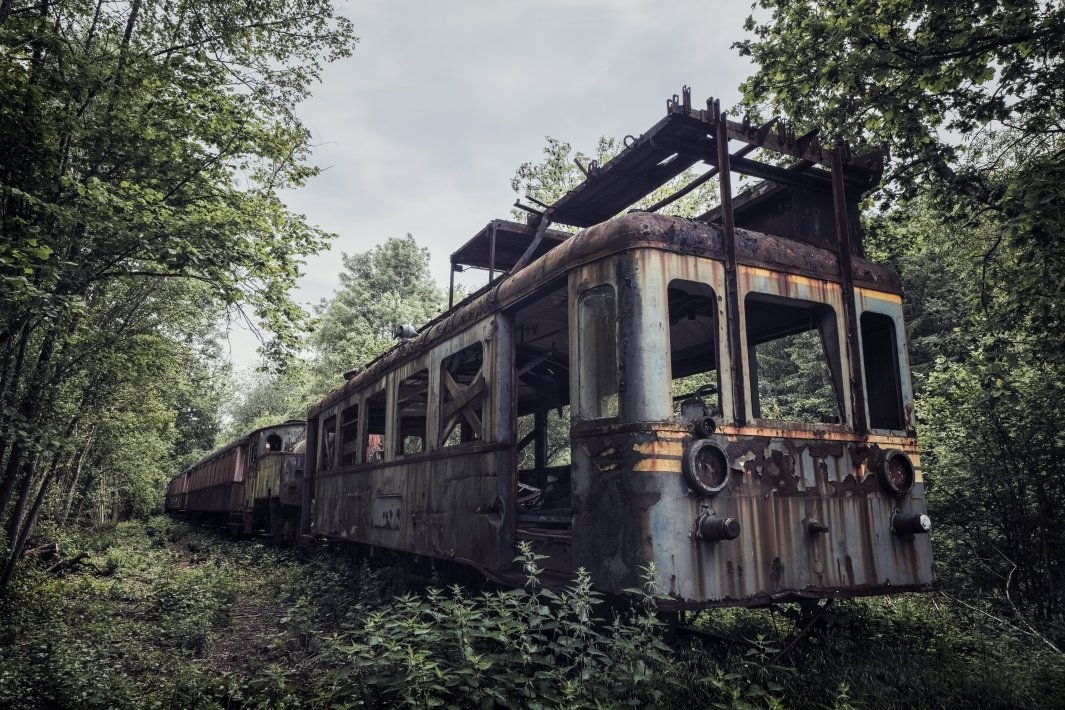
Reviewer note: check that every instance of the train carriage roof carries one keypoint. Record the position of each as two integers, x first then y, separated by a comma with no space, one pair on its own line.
632,231
237,442
789,222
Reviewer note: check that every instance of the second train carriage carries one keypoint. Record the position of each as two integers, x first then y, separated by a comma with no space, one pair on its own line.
252,483
731,405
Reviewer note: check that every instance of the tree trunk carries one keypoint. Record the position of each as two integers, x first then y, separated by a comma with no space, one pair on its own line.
28,411
20,502
77,475
24,534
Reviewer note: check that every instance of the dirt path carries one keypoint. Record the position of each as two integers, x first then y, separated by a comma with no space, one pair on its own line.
239,647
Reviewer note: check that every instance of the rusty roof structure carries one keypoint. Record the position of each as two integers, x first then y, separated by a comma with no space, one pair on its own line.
812,198
796,201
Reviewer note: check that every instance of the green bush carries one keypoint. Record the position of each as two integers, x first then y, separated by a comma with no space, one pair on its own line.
528,647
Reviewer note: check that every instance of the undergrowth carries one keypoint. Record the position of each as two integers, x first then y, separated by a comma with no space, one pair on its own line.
165,615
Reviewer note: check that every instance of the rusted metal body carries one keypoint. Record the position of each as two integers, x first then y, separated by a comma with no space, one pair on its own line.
729,405
254,482
629,504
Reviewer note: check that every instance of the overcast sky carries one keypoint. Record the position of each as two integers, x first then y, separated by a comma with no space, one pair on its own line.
421,129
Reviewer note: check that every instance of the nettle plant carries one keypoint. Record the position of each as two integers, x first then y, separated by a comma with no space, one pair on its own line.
530,647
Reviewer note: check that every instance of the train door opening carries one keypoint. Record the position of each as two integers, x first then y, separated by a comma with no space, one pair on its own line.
542,449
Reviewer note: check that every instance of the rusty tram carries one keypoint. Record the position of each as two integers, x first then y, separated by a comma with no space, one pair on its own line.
253,483
726,396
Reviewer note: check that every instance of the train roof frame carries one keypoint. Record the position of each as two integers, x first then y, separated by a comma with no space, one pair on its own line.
638,230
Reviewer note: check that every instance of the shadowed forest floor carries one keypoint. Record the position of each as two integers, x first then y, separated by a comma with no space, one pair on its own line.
160,614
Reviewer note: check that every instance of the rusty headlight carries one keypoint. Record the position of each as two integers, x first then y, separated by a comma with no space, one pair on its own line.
895,473
705,467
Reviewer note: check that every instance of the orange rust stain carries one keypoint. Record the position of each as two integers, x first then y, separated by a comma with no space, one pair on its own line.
658,465
659,448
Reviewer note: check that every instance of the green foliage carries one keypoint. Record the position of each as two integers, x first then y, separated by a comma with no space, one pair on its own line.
794,381
908,651
517,648
387,286
991,444
144,147
162,614
969,100
967,97
265,398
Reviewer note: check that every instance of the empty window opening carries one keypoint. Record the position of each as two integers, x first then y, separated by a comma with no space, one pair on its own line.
349,433
327,450
273,442
462,393
883,384
793,360
598,353
541,360
693,348
413,407
375,427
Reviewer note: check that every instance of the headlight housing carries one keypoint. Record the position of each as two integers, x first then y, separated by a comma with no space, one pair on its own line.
895,473
706,468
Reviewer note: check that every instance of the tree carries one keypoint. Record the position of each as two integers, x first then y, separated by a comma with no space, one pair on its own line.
969,98
387,286
266,398
143,146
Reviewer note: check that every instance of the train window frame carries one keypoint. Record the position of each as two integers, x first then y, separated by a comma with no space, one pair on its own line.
597,398
370,400
466,425
327,462
676,284
824,321
887,371
350,404
424,393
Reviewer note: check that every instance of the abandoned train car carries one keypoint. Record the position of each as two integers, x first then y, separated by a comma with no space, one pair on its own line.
727,396
252,483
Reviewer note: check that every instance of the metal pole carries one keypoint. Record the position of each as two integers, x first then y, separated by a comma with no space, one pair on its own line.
732,304
491,252
451,289
846,271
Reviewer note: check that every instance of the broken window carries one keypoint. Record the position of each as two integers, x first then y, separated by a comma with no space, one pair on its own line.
349,432
327,450
413,405
541,361
273,442
375,427
462,391
793,360
693,345
597,328
880,358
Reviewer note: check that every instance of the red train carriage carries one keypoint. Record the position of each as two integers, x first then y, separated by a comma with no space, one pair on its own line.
252,483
